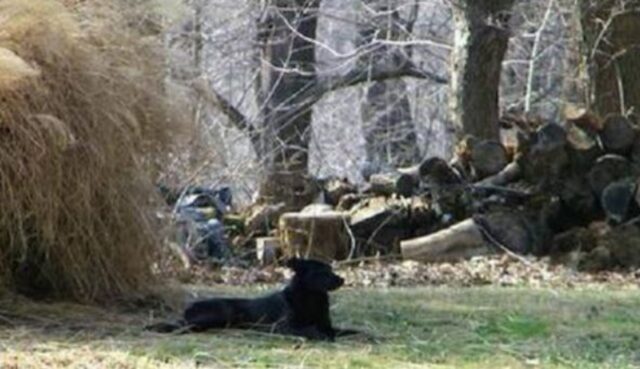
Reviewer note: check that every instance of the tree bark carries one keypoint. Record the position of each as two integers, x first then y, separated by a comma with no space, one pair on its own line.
286,91
481,38
286,32
387,124
611,54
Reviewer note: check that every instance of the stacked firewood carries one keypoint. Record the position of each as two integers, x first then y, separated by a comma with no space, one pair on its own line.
559,189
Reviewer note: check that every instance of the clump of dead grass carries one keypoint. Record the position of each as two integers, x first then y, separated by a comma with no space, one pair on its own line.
82,114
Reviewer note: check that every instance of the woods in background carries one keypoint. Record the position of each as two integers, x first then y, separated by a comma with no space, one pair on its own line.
268,97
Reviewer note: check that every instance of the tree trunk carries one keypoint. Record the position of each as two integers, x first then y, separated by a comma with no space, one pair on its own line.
387,124
286,91
611,54
481,38
286,32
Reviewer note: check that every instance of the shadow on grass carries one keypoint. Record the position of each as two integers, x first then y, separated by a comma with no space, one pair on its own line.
415,327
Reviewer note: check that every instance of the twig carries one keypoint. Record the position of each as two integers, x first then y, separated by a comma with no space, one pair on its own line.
492,240
534,54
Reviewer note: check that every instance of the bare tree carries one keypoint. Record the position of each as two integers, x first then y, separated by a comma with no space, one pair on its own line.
611,52
287,88
286,34
480,42
388,127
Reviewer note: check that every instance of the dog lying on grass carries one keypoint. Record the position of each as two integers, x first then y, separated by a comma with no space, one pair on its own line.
300,309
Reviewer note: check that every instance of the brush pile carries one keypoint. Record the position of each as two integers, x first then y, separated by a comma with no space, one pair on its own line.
82,114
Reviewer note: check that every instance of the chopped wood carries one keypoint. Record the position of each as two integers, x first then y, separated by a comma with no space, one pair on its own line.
634,156
488,158
460,241
324,236
507,175
348,201
392,183
618,200
335,188
267,250
262,218
510,229
617,134
607,169
546,159
380,223
317,209
583,118
437,172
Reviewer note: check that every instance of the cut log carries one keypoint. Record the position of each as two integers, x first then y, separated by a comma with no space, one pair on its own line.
608,168
267,250
511,230
323,236
618,200
582,147
392,183
317,209
335,188
617,135
579,207
368,216
488,158
460,241
263,218
546,159
348,201
582,117
379,224
437,172
507,175
634,156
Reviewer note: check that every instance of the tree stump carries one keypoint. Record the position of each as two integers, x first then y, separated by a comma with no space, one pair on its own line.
322,236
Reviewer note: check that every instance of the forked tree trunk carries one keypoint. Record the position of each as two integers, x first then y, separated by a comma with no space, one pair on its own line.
611,53
387,124
286,31
481,38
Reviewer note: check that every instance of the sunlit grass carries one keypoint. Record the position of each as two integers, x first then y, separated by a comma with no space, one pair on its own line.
443,327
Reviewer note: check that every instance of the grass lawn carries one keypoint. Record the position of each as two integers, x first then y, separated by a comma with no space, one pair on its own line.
420,327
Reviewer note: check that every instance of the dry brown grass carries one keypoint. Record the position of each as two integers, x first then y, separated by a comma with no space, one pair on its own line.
82,114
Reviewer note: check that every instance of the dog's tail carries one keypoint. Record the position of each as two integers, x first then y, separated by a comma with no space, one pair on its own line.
168,327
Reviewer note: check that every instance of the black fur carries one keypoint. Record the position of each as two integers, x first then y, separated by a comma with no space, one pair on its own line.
300,309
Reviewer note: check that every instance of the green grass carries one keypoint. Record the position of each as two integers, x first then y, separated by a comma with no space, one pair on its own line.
480,327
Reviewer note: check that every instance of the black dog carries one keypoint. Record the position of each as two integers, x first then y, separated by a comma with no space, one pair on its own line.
300,309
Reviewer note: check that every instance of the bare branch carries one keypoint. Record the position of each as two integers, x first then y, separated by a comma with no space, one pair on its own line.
360,75
534,56
216,100
413,17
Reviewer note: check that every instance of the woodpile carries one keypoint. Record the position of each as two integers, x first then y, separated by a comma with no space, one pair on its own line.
544,194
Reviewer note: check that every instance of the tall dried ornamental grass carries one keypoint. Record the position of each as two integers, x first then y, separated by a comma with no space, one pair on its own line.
82,110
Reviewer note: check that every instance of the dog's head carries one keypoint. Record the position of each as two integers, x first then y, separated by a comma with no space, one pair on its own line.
314,275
